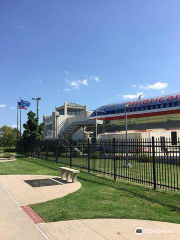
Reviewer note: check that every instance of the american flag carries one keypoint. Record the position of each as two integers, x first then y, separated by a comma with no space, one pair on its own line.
21,107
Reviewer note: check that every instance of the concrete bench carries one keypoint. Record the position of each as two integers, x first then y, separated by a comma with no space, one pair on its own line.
12,156
69,174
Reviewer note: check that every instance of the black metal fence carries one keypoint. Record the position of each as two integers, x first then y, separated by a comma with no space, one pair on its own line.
155,162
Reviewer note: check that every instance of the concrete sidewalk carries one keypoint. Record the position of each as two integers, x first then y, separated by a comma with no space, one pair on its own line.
110,229
26,195
14,223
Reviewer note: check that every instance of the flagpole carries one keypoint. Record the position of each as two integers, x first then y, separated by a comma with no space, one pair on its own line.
17,123
20,119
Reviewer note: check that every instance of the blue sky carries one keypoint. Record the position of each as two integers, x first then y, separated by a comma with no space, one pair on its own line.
88,52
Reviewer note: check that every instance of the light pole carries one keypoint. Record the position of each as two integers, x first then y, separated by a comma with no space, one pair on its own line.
96,126
37,106
125,108
57,126
96,121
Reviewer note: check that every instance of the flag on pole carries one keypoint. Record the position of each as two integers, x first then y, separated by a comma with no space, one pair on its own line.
21,107
25,103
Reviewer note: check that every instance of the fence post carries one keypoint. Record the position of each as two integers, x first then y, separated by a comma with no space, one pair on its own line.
57,150
154,163
70,142
89,167
114,157
46,149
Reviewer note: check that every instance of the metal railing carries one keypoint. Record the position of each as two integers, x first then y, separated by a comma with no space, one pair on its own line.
151,161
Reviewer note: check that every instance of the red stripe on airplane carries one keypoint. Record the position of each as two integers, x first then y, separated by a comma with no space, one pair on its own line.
141,115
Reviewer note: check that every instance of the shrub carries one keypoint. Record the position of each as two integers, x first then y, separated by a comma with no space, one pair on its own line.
95,155
119,157
76,154
10,150
145,158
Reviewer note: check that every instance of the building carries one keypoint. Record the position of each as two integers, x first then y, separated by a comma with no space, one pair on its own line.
63,117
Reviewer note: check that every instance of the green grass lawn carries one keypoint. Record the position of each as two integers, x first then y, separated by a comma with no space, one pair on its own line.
166,174
99,197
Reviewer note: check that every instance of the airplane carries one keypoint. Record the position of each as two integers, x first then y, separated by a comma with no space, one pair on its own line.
157,106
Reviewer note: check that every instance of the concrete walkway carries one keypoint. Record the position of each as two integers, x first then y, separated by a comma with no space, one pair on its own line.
3,160
14,223
26,195
110,229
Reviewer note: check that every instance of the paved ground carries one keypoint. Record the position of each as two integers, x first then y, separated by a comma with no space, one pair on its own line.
109,229
6,160
15,224
26,195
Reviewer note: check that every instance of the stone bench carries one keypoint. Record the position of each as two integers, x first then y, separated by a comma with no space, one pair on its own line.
69,174
12,156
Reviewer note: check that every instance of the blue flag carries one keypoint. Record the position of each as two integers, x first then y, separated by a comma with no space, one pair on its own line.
25,103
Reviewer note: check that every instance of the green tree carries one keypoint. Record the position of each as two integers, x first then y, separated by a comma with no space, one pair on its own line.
8,136
33,131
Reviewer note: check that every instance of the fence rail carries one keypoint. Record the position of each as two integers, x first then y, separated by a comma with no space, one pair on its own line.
150,161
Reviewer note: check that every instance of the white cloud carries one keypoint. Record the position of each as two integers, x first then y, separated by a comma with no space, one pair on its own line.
66,72
74,84
66,89
2,105
13,108
155,86
134,85
162,91
84,82
95,78
14,126
37,81
132,96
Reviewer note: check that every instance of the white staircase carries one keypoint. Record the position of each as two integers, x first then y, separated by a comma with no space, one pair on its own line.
75,126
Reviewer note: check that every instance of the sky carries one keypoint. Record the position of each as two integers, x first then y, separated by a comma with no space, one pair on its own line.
87,52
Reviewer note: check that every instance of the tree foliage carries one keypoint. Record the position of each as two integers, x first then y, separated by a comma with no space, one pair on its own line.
8,136
33,131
